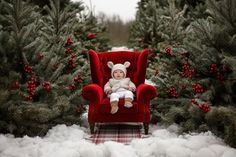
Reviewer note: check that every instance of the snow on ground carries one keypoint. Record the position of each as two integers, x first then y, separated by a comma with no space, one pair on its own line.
63,141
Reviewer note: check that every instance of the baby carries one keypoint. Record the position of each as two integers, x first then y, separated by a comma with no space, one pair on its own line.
119,86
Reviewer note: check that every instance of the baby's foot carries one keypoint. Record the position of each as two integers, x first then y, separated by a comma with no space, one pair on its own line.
128,104
114,109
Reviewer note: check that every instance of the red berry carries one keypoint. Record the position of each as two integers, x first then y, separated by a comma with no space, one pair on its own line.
156,72
152,55
168,51
204,107
17,84
197,88
74,55
69,41
68,50
40,56
28,98
172,92
91,35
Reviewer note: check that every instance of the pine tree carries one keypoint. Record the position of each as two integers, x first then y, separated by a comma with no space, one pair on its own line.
42,3
91,34
22,35
192,63
214,55
48,70
216,45
165,38
18,43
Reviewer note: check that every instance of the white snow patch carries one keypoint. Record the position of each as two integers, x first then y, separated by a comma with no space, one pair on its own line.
150,82
70,141
121,48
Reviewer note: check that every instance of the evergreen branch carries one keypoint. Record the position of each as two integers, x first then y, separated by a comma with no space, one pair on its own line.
231,5
57,73
51,63
26,33
31,45
204,30
75,94
222,15
41,46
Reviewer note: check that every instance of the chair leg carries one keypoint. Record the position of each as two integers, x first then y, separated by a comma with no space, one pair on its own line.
146,128
92,125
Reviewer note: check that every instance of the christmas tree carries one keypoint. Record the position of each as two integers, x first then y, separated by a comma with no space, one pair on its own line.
192,62
44,64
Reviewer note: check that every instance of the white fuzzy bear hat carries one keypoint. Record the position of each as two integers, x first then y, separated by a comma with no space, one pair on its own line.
119,66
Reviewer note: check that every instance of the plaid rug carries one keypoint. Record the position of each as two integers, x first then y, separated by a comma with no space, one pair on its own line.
122,133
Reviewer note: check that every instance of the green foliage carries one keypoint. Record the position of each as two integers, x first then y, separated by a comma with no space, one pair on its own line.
85,31
215,37
17,37
181,38
222,121
42,3
156,23
159,26
174,26
45,64
20,19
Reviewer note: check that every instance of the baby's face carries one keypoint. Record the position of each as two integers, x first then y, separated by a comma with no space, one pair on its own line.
118,74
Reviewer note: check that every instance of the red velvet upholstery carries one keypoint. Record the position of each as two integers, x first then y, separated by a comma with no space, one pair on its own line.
99,108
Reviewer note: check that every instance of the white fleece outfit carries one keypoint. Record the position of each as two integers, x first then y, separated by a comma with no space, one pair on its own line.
119,89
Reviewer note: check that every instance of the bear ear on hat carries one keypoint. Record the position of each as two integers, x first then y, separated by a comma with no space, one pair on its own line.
127,64
110,64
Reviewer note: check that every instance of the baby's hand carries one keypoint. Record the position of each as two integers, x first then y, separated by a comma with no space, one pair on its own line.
131,89
109,91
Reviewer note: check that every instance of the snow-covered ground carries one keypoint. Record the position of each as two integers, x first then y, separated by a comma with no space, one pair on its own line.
63,141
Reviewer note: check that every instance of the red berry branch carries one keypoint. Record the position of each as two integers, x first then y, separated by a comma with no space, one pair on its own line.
172,92
69,41
219,74
186,71
168,51
77,80
156,72
68,51
91,35
204,107
71,63
197,88
31,84
28,69
46,86
17,84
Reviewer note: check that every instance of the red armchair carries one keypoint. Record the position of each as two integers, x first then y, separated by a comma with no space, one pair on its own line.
99,107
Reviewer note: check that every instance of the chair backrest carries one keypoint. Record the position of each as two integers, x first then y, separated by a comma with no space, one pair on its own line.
101,73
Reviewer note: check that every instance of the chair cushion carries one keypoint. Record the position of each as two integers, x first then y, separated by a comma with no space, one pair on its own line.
105,107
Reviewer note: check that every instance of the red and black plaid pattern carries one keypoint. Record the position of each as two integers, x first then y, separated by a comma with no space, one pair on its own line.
122,133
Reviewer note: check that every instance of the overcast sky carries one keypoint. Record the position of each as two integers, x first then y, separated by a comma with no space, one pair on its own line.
124,8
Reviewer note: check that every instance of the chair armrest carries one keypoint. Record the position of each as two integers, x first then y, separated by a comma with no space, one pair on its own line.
93,93
145,93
